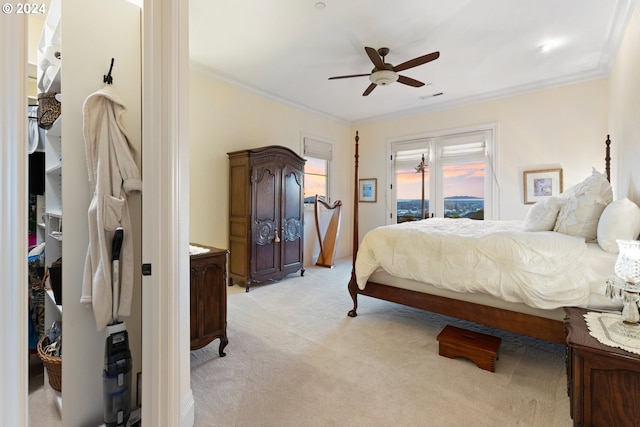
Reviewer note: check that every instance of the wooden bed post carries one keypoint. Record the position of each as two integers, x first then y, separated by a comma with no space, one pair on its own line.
353,285
607,159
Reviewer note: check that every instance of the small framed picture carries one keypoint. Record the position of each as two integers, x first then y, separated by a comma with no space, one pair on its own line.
541,184
369,190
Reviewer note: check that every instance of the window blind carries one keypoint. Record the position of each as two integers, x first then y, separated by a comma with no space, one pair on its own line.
408,155
318,149
469,146
468,149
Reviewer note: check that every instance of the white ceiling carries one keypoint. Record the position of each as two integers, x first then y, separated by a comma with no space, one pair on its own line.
287,49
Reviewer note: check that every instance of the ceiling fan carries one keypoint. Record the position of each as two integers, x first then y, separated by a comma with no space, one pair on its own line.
384,74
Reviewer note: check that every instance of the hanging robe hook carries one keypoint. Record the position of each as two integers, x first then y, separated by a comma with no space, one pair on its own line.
107,78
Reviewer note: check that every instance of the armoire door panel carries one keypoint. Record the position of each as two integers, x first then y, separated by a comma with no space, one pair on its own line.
266,259
291,253
265,195
292,214
265,227
238,229
239,184
293,193
239,265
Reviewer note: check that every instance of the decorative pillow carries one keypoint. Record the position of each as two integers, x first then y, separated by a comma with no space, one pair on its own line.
543,215
582,206
619,220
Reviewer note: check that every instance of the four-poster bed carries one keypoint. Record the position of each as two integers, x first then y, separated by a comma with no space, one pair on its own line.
514,316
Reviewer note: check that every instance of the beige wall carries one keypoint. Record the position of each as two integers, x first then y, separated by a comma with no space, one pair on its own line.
624,113
563,127
225,118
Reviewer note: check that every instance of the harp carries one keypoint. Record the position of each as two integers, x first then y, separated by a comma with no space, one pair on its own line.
328,228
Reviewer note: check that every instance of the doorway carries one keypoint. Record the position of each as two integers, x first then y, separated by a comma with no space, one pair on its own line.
165,339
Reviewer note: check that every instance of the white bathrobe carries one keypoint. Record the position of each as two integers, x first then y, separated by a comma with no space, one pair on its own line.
113,174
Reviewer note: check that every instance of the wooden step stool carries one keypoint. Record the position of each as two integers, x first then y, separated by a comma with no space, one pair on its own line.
479,348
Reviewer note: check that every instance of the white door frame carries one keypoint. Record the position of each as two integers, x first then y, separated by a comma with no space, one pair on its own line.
166,381
14,366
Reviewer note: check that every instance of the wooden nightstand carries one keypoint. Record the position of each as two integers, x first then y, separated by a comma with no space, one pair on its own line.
209,298
603,381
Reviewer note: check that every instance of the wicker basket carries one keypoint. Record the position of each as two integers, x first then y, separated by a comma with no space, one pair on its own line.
52,364
49,109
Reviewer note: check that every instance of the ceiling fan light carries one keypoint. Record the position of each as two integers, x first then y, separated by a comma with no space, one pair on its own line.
383,77
547,47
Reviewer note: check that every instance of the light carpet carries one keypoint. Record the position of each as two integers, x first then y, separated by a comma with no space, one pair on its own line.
296,359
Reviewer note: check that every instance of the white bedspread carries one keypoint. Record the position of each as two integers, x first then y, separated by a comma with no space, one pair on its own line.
540,269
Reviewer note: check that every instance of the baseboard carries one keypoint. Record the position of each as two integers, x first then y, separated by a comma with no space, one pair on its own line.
187,410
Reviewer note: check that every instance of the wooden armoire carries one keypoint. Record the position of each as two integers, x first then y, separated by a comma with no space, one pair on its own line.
266,214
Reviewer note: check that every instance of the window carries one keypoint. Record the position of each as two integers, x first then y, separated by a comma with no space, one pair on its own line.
317,169
411,172
455,180
461,168
463,190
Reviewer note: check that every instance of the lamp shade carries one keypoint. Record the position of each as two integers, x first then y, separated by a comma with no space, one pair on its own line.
628,262
383,77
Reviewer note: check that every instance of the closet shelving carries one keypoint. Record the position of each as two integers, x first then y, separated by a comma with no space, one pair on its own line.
49,76
53,182
49,81
32,100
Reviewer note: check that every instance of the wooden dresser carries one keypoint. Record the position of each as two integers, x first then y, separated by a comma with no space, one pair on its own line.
209,298
266,214
603,381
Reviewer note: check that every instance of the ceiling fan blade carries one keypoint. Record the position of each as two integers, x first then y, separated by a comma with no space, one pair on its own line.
409,81
417,61
371,87
349,76
375,57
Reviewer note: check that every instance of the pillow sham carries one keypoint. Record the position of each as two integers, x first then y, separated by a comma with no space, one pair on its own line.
619,220
543,215
582,206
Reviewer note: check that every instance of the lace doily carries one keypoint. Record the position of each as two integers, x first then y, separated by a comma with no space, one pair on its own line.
608,329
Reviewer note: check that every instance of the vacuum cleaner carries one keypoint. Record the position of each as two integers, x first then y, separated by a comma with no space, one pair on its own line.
116,376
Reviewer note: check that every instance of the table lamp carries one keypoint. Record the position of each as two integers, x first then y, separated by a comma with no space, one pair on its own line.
626,284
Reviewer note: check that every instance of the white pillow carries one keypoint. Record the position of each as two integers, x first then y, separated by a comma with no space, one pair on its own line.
582,206
619,220
543,214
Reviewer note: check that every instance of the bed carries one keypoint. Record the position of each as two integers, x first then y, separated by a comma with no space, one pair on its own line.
473,270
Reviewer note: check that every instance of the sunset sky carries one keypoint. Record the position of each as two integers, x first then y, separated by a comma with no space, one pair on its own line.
459,180
315,184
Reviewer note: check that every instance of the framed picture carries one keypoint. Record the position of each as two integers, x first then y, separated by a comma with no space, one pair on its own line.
369,190
541,184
